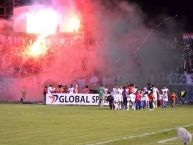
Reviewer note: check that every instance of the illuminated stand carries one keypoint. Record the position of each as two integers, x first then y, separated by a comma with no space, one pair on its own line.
28,55
38,32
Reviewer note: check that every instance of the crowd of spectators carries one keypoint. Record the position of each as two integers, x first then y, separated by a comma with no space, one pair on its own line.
15,62
187,56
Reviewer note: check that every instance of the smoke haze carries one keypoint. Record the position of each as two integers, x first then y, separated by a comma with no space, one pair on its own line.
120,45
121,42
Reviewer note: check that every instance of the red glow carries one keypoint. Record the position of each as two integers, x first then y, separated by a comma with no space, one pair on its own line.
38,48
71,23
74,24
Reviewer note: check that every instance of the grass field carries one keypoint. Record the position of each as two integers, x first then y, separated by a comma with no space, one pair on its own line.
82,125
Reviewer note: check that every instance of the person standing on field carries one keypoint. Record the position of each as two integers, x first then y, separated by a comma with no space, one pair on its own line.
45,91
23,94
101,92
151,99
165,93
155,94
173,98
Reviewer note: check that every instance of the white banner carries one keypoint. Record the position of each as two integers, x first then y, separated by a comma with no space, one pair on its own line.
175,79
73,99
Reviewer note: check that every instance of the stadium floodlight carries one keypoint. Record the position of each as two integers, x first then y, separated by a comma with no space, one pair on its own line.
44,21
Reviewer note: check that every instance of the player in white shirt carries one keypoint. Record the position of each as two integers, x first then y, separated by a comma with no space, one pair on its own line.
155,94
115,96
165,93
50,90
132,100
144,98
128,98
71,89
120,97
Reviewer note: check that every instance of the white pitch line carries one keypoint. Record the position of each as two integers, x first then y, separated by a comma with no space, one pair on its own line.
140,135
167,140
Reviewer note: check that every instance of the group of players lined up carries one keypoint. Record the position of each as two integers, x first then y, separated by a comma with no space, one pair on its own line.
131,97
123,98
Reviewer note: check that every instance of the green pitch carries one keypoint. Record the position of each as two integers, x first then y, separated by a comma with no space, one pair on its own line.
82,125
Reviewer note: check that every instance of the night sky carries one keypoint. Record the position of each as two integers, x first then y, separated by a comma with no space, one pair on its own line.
182,8
153,8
